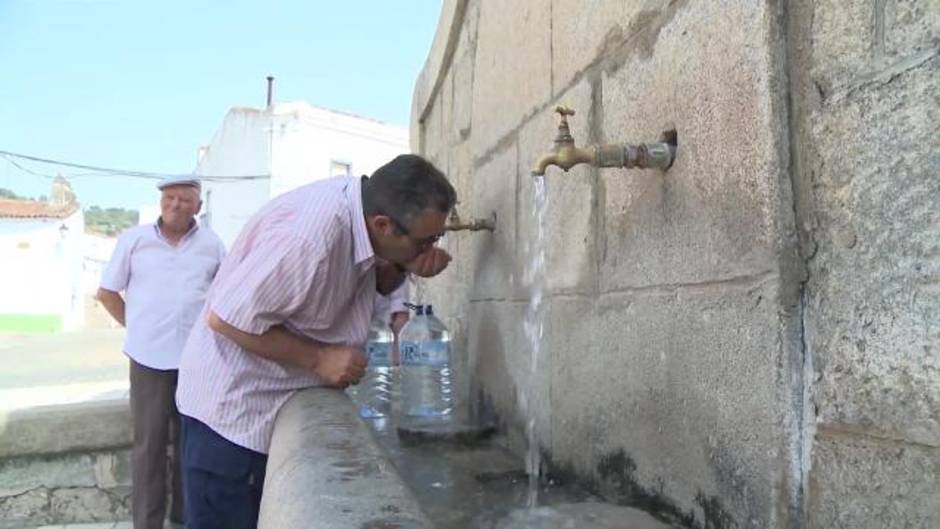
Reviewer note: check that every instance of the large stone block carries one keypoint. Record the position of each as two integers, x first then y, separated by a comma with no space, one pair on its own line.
461,173
582,32
569,230
684,388
503,357
446,102
113,469
435,64
874,279
843,42
463,96
91,426
449,291
512,73
21,474
460,244
89,504
854,41
28,509
492,255
718,212
435,149
911,26
864,483
462,70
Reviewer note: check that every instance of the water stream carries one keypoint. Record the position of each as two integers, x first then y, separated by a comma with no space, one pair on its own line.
534,331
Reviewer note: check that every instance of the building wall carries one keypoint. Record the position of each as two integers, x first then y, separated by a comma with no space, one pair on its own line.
97,254
295,144
308,139
700,322
42,274
241,147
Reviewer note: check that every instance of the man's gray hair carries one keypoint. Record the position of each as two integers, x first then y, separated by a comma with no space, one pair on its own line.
406,187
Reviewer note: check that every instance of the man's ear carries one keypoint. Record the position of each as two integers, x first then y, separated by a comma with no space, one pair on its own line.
381,224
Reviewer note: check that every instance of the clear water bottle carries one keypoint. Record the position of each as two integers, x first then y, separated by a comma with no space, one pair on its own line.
373,394
425,368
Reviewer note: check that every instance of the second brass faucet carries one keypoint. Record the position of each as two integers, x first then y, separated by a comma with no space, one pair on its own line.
456,224
566,154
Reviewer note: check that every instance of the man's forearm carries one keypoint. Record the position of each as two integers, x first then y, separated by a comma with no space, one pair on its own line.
113,303
388,277
276,343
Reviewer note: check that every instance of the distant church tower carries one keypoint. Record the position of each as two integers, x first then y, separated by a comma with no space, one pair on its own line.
62,194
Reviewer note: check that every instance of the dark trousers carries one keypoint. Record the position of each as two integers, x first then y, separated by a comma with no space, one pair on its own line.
222,481
156,427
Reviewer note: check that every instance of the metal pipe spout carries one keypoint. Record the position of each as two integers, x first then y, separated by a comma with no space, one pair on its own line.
566,154
456,224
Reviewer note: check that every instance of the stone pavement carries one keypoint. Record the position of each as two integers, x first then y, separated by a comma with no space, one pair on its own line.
65,368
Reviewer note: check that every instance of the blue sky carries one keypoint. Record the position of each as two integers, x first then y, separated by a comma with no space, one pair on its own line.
140,85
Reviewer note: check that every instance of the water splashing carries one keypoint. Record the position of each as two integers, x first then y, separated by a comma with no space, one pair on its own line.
534,330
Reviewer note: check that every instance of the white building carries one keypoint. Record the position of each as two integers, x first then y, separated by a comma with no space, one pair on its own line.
41,263
281,148
97,253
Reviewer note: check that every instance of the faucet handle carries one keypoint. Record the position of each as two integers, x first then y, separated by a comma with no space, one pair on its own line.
564,135
564,111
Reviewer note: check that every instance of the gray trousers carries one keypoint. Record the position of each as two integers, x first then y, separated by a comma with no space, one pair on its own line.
156,428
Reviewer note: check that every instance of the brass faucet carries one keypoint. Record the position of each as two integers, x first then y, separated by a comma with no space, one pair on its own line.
456,224
566,155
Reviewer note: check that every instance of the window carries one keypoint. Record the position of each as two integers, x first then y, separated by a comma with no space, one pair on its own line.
340,168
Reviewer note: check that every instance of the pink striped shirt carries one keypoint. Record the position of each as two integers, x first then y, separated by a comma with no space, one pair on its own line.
305,262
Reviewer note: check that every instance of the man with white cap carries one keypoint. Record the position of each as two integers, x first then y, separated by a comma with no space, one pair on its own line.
164,270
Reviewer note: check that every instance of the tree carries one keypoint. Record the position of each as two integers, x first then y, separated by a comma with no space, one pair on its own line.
109,221
6,193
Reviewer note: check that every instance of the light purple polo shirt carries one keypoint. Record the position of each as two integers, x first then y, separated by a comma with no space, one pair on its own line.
164,289
305,262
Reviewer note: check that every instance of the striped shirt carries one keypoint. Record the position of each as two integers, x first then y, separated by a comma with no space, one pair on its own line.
305,262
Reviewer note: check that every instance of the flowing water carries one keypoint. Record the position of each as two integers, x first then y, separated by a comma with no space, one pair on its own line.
534,330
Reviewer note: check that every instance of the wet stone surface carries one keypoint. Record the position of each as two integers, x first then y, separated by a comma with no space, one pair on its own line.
580,515
466,480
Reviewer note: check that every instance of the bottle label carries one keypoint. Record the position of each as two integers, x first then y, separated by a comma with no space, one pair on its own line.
424,353
379,353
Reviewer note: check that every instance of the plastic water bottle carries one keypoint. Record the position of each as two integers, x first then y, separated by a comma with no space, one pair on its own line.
425,368
373,394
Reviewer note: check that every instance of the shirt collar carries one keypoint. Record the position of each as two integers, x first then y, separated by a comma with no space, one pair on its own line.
362,246
192,229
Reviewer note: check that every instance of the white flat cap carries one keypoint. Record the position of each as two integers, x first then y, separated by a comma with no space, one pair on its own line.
180,180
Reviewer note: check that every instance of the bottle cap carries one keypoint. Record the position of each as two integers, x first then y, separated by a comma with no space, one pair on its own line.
419,309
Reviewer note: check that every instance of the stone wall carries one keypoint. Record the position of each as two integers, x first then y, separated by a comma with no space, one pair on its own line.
65,464
700,321
866,127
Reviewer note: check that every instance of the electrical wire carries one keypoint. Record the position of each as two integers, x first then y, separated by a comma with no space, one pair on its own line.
107,171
